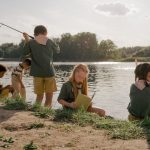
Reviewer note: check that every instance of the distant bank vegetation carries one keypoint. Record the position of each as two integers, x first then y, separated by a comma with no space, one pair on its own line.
83,46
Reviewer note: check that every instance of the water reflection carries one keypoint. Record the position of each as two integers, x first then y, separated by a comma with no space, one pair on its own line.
110,81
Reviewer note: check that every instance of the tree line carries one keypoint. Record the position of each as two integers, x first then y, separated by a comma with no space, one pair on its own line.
83,46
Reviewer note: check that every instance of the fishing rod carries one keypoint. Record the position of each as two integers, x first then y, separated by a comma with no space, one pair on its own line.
93,95
15,29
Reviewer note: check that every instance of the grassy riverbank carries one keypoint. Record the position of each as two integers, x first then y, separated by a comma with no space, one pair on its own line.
27,126
132,59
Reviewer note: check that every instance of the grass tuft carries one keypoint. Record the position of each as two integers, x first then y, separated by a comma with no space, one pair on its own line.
41,111
30,146
6,142
118,129
15,104
36,125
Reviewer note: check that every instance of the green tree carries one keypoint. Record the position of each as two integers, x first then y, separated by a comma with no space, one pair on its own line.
106,47
65,46
85,45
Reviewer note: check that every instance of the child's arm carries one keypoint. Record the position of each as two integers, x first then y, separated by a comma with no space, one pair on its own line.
26,37
26,47
67,104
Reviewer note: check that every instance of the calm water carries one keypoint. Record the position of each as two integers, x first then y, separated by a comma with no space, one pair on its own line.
110,80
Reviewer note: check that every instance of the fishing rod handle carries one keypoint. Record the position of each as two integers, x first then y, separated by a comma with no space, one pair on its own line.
31,36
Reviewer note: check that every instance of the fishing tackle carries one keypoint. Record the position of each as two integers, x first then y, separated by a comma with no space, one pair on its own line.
2,24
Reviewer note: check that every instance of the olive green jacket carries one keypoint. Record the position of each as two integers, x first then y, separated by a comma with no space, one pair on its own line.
66,92
139,101
42,58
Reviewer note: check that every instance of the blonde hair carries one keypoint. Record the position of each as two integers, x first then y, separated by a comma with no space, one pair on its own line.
85,69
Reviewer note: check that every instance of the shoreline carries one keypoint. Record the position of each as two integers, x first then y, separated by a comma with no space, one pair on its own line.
103,60
47,131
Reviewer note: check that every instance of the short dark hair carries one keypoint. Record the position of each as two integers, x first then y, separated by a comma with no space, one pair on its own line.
141,71
27,61
2,68
40,29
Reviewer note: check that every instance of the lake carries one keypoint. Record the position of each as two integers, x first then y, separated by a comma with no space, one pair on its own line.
110,80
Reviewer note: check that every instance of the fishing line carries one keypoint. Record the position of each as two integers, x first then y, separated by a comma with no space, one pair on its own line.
2,24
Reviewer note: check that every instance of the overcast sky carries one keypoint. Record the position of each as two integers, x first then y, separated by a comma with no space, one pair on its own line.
126,22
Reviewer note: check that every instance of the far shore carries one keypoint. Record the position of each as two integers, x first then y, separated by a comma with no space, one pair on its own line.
140,59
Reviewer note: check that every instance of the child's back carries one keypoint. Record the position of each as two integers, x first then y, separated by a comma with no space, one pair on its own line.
42,58
41,49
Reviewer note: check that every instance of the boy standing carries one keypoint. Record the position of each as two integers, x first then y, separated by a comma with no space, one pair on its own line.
16,78
41,49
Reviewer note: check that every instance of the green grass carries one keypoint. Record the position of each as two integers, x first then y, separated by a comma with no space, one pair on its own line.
15,104
6,142
132,59
118,129
41,111
30,146
36,125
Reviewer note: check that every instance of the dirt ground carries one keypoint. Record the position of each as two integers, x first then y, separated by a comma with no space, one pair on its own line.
58,136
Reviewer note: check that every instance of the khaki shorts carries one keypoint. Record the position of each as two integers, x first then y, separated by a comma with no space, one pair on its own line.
44,85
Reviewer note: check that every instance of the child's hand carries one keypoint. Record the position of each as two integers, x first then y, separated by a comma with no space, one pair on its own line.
26,36
73,105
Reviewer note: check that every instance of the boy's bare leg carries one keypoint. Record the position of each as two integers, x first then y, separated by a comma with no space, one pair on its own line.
48,101
17,87
98,111
39,98
23,93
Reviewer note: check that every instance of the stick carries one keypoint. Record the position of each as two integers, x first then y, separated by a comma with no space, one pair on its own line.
93,95
15,30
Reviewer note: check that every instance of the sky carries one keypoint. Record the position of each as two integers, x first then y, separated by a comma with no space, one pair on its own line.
125,22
